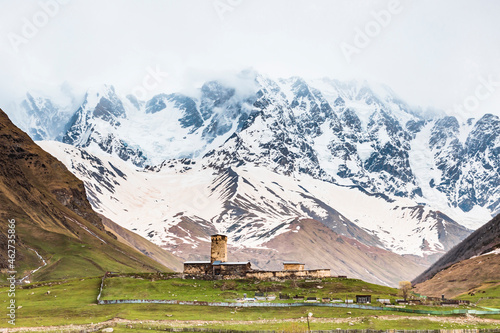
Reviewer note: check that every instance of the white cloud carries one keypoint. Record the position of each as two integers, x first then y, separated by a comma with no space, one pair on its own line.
431,53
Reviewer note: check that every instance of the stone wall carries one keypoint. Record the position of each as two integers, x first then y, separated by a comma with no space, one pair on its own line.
198,269
238,270
270,275
205,271
293,267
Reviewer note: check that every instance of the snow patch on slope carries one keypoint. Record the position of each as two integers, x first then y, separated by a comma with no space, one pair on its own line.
422,163
151,202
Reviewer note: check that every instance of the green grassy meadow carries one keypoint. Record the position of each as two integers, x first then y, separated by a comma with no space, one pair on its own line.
230,290
486,295
74,301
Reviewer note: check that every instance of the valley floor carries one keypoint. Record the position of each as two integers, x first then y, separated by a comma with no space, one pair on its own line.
71,306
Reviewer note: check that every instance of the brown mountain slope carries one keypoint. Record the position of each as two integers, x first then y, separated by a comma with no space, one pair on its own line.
461,277
467,266
53,216
483,240
319,247
143,245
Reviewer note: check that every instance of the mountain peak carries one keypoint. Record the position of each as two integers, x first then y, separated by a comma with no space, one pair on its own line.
101,90
353,133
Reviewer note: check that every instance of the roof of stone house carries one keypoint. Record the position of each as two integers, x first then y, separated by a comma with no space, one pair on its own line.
197,262
292,263
236,263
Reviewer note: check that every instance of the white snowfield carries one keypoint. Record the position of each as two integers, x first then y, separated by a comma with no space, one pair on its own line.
151,202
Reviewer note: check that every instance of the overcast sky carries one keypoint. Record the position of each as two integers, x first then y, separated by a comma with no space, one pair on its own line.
431,52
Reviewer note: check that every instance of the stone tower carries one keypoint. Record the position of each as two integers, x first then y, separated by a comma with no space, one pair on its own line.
219,248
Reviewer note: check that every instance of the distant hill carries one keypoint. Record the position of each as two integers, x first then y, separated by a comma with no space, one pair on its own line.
469,264
53,217
319,247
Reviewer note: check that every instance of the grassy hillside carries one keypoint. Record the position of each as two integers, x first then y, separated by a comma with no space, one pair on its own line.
485,295
53,217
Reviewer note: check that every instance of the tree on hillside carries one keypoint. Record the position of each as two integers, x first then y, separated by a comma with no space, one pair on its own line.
405,287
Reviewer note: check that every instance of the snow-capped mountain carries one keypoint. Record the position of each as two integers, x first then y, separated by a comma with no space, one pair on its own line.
461,163
351,134
165,127
257,156
297,130
41,118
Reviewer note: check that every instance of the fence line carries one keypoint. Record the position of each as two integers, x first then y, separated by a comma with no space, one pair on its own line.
284,305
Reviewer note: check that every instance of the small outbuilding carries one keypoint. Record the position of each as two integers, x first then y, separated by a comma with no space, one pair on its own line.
363,299
384,301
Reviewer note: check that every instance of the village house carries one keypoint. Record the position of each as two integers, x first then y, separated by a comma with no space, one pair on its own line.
293,266
218,264
219,268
